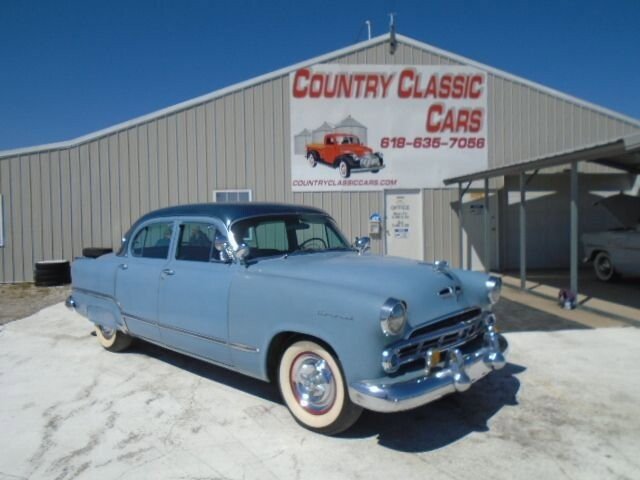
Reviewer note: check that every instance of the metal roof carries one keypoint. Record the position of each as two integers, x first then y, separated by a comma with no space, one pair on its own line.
316,60
622,153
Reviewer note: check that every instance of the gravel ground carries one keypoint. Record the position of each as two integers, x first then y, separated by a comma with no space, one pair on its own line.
23,299
564,407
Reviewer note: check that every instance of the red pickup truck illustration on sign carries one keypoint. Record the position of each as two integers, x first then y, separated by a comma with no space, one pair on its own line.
344,152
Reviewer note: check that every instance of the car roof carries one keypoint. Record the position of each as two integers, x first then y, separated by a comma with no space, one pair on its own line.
226,212
230,212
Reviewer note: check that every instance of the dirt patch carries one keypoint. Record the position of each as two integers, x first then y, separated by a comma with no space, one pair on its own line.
24,299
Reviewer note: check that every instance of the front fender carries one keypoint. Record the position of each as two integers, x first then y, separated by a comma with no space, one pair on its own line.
262,306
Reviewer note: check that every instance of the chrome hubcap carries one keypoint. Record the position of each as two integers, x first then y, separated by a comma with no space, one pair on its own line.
343,169
107,332
604,266
313,383
312,161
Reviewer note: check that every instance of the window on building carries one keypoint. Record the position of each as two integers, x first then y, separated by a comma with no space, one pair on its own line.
152,241
196,242
225,196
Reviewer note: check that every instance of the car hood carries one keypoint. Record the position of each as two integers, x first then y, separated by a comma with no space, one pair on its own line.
625,209
419,284
358,150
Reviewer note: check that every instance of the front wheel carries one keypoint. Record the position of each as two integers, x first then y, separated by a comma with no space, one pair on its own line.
113,340
344,168
314,389
313,159
603,267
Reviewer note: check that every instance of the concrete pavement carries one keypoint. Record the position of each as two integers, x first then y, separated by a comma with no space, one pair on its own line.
566,406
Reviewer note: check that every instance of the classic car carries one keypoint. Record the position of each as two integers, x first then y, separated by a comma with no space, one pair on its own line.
276,292
344,152
616,252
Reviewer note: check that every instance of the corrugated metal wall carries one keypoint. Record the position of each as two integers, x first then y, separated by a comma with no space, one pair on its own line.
56,202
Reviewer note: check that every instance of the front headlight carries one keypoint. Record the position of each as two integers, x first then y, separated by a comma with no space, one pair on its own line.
494,287
393,317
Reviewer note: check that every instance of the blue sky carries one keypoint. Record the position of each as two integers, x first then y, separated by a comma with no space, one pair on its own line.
72,67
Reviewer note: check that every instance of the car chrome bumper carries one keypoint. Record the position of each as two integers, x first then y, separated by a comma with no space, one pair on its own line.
366,169
460,371
70,303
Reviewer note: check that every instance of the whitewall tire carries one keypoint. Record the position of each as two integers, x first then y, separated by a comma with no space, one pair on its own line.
313,388
113,340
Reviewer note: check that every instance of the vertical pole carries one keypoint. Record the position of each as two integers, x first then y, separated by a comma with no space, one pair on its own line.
523,233
460,221
574,227
487,242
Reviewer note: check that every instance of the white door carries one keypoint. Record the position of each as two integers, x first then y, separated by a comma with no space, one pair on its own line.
404,234
474,253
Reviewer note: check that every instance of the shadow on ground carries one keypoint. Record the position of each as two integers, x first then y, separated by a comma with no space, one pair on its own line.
445,421
427,428
519,317
623,291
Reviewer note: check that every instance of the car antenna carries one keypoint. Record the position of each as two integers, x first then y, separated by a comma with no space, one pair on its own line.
393,43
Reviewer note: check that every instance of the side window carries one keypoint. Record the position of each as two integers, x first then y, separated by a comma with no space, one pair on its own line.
152,241
196,242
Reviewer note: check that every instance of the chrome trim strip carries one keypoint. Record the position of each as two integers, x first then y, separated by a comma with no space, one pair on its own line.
238,346
244,348
140,319
95,294
216,340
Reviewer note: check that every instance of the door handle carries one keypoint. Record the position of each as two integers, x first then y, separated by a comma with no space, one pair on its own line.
168,272
123,266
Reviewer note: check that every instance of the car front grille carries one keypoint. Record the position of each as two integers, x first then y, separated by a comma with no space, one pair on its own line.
447,322
441,336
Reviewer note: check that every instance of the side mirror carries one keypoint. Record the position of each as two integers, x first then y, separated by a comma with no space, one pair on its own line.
241,253
362,244
220,243
223,248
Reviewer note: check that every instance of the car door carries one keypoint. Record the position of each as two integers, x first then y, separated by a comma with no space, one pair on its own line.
138,277
193,293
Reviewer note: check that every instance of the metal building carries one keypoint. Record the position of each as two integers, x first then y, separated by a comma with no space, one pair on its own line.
58,198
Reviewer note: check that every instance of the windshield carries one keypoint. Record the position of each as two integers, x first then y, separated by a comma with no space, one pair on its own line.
287,234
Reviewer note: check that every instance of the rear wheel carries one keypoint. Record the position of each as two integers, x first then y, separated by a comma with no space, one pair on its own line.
113,340
603,267
314,389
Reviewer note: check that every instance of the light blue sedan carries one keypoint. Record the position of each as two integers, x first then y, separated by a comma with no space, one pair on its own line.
277,292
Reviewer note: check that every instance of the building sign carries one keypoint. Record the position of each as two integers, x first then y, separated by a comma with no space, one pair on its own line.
377,127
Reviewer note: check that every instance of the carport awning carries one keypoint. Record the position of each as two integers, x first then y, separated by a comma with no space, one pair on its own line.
623,153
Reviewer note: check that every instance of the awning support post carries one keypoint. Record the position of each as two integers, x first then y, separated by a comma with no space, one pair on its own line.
487,242
460,221
574,228
523,233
